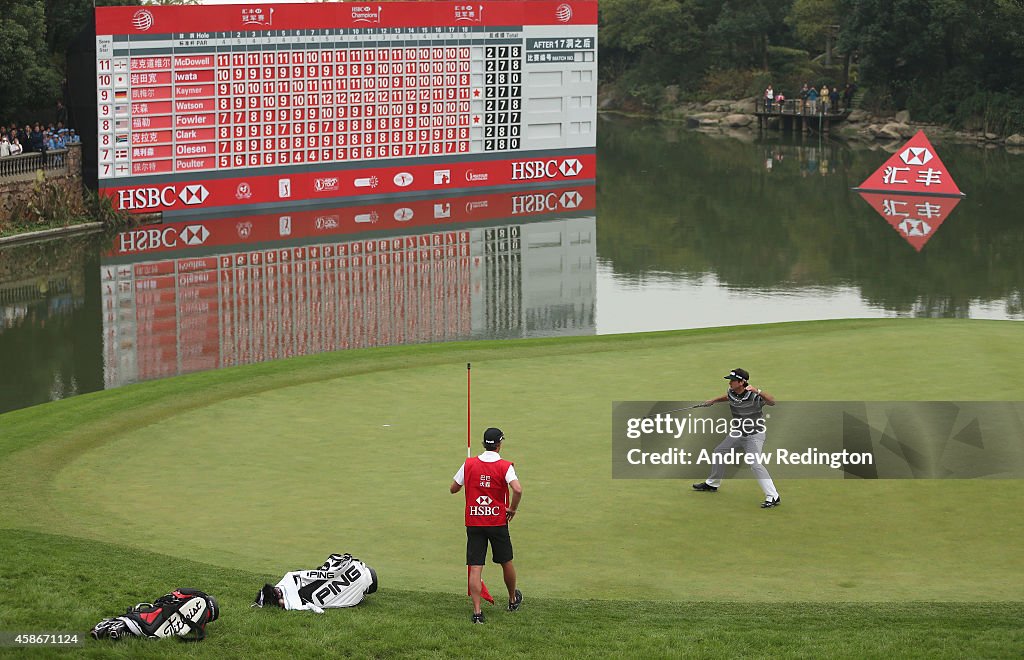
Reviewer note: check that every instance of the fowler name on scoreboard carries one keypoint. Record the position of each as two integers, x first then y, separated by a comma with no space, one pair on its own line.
203,107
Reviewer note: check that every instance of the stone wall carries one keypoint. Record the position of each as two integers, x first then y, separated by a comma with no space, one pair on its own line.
19,176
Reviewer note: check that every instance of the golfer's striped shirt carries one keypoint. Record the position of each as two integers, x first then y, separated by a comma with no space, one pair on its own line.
747,405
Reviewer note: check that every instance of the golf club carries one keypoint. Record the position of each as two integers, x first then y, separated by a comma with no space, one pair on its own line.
665,412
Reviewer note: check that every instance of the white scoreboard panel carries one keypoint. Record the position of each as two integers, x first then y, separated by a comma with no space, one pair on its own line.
207,107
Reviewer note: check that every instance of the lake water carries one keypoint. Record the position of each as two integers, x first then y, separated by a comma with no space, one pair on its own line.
683,230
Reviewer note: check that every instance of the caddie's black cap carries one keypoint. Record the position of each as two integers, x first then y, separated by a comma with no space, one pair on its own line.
492,437
738,374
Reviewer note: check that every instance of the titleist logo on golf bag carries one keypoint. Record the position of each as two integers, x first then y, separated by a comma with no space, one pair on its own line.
177,614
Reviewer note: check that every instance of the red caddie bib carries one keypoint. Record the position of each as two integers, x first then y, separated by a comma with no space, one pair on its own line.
486,492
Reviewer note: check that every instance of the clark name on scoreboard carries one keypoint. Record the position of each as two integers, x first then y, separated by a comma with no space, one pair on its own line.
215,106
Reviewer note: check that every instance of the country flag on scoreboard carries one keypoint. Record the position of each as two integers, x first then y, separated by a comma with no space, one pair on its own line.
121,95
121,110
121,139
120,66
120,154
121,125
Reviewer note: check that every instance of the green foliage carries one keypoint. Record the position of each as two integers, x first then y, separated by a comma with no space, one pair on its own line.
812,21
100,208
66,18
49,205
25,69
735,83
949,61
657,40
52,204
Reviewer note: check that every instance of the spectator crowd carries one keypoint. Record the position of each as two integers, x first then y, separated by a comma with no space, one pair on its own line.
812,101
36,137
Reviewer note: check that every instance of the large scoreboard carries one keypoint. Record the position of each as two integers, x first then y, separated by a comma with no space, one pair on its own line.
201,108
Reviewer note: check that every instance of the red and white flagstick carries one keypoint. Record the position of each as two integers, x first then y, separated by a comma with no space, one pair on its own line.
486,595
469,410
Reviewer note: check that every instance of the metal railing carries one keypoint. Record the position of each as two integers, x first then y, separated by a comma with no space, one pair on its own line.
24,166
797,107
26,292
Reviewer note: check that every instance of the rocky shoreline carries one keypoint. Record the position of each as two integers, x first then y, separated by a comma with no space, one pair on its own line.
728,116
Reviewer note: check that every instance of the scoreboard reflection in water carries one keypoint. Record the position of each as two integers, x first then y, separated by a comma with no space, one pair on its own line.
202,294
207,107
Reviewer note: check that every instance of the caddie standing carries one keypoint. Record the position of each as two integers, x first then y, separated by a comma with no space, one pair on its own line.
746,433
488,479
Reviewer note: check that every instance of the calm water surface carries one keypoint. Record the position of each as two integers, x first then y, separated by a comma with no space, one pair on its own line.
683,230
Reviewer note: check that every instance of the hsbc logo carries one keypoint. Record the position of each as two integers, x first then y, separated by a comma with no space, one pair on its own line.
570,199
194,235
195,193
916,155
145,240
140,199
545,202
570,167
325,184
546,169
483,507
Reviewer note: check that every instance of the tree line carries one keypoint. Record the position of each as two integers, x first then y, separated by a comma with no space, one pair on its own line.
957,62
952,61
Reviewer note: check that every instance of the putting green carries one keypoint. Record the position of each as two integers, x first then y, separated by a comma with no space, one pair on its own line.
273,466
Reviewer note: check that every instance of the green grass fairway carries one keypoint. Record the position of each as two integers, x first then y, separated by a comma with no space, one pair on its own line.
354,452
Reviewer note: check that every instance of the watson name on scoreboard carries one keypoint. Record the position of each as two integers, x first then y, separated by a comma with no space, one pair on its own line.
215,106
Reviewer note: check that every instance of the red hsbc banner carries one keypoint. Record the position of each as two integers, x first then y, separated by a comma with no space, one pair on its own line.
915,169
915,218
137,21
385,215
279,188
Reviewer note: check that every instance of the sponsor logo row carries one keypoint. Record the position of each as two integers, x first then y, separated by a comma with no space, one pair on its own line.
385,216
171,196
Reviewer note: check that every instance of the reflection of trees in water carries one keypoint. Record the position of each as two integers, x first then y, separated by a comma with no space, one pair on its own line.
50,336
672,200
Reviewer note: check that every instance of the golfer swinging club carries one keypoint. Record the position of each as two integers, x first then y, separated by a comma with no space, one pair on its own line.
746,433
488,479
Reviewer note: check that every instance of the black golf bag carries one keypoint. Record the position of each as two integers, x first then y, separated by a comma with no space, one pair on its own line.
179,613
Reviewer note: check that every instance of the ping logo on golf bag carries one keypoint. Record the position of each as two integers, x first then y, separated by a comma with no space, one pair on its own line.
177,614
322,590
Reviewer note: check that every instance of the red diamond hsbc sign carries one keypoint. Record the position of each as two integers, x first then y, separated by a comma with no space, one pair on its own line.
915,169
915,217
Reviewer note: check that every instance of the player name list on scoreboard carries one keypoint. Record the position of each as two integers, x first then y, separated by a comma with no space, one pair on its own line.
208,99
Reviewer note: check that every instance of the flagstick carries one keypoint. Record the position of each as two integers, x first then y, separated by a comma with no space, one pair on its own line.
484,594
